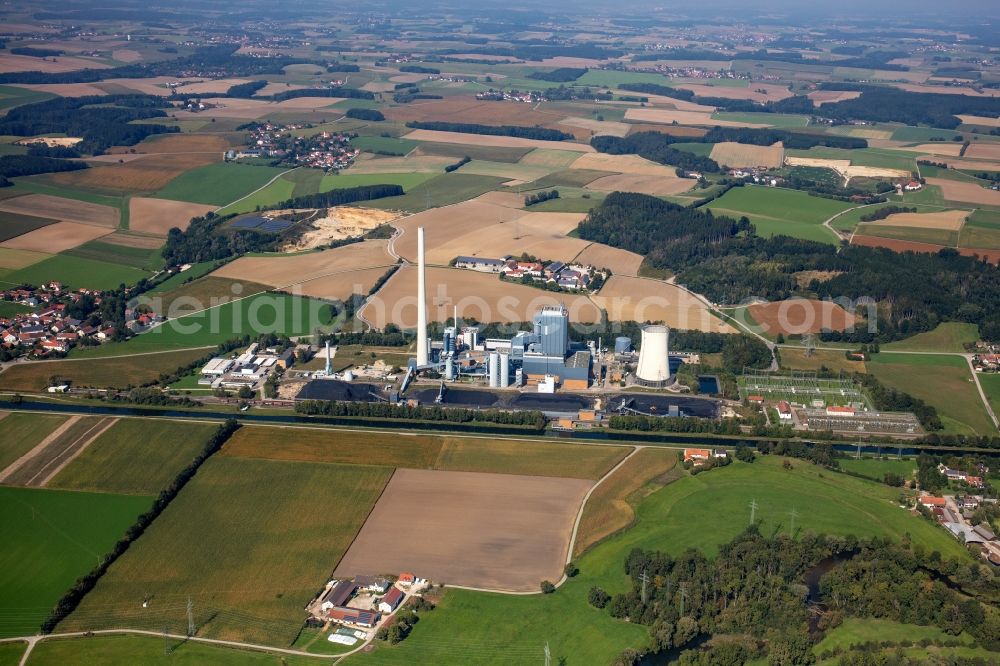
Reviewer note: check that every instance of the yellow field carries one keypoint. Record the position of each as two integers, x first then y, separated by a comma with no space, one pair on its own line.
13,259
954,190
654,185
642,300
284,271
821,97
478,295
597,127
983,121
756,91
983,151
620,262
496,141
58,208
669,116
631,164
158,216
743,155
950,220
56,237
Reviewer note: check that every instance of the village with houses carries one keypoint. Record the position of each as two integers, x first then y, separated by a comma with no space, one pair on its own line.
329,151
552,275
57,319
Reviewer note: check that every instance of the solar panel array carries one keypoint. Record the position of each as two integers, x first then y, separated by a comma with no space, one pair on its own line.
249,222
262,224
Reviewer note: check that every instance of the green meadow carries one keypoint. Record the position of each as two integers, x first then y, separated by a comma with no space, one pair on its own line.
777,211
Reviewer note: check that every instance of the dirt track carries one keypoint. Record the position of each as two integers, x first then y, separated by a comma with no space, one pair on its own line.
497,531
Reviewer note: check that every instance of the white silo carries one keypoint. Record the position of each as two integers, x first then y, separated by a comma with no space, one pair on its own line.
449,369
653,363
504,371
494,368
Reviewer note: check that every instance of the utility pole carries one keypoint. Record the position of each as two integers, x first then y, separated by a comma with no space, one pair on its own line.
190,614
753,511
166,641
645,580
794,514
548,656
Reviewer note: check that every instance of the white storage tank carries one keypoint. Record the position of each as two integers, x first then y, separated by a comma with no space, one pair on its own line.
623,344
504,371
494,368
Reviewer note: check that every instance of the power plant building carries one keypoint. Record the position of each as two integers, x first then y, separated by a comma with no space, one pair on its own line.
546,351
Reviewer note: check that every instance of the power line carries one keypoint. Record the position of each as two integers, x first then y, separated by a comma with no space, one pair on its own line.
645,580
794,514
753,511
548,655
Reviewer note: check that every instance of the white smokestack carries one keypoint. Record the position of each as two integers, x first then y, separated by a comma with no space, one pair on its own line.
329,360
422,345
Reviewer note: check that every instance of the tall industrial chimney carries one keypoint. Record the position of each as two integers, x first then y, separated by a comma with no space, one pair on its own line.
329,361
422,343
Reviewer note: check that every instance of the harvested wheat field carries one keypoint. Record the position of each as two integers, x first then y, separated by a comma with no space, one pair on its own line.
158,216
340,223
619,261
65,89
486,230
740,155
954,190
894,244
756,91
643,299
669,116
496,531
65,210
56,237
126,55
821,97
274,87
631,164
982,121
12,259
949,220
19,63
494,141
480,295
553,159
210,86
447,223
340,286
179,143
505,199
597,127
654,185
284,271
947,149
250,109
149,174
133,239
800,316
983,151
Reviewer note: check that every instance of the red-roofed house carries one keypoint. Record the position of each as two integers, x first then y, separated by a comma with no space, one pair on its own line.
930,500
784,411
834,410
912,186
391,600
407,579
697,456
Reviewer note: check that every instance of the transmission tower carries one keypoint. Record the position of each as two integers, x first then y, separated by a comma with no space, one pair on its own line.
190,614
645,581
809,341
684,596
794,514
548,656
166,641
753,511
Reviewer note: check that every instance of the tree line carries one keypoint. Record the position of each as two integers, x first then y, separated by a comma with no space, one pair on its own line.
12,166
560,75
886,211
100,120
531,419
539,133
365,114
886,104
68,603
727,261
342,196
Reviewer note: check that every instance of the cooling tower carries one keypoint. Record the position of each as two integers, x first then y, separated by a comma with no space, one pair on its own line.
653,363
422,344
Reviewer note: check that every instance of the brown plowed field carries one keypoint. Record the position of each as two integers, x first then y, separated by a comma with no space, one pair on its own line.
283,271
642,300
954,190
56,237
800,316
471,110
496,141
495,531
773,91
479,295
630,164
58,208
821,97
668,116
341,286
148,174
158,216
743,155
992,256
983,151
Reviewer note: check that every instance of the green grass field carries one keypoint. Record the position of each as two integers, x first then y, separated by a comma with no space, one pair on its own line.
443,190
915,234
873,157
77,272
135,457
9,309
22,432
876,468
703,149
946,337
37,185
136,257
780,120
11,653
488,153
11,96
218,184
407,180
942,381
701,512
991,387
922,134
249,541
611,78
278,191
97,372
124,650
384,145
50,538
777,211
201,293
978,237
855,631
